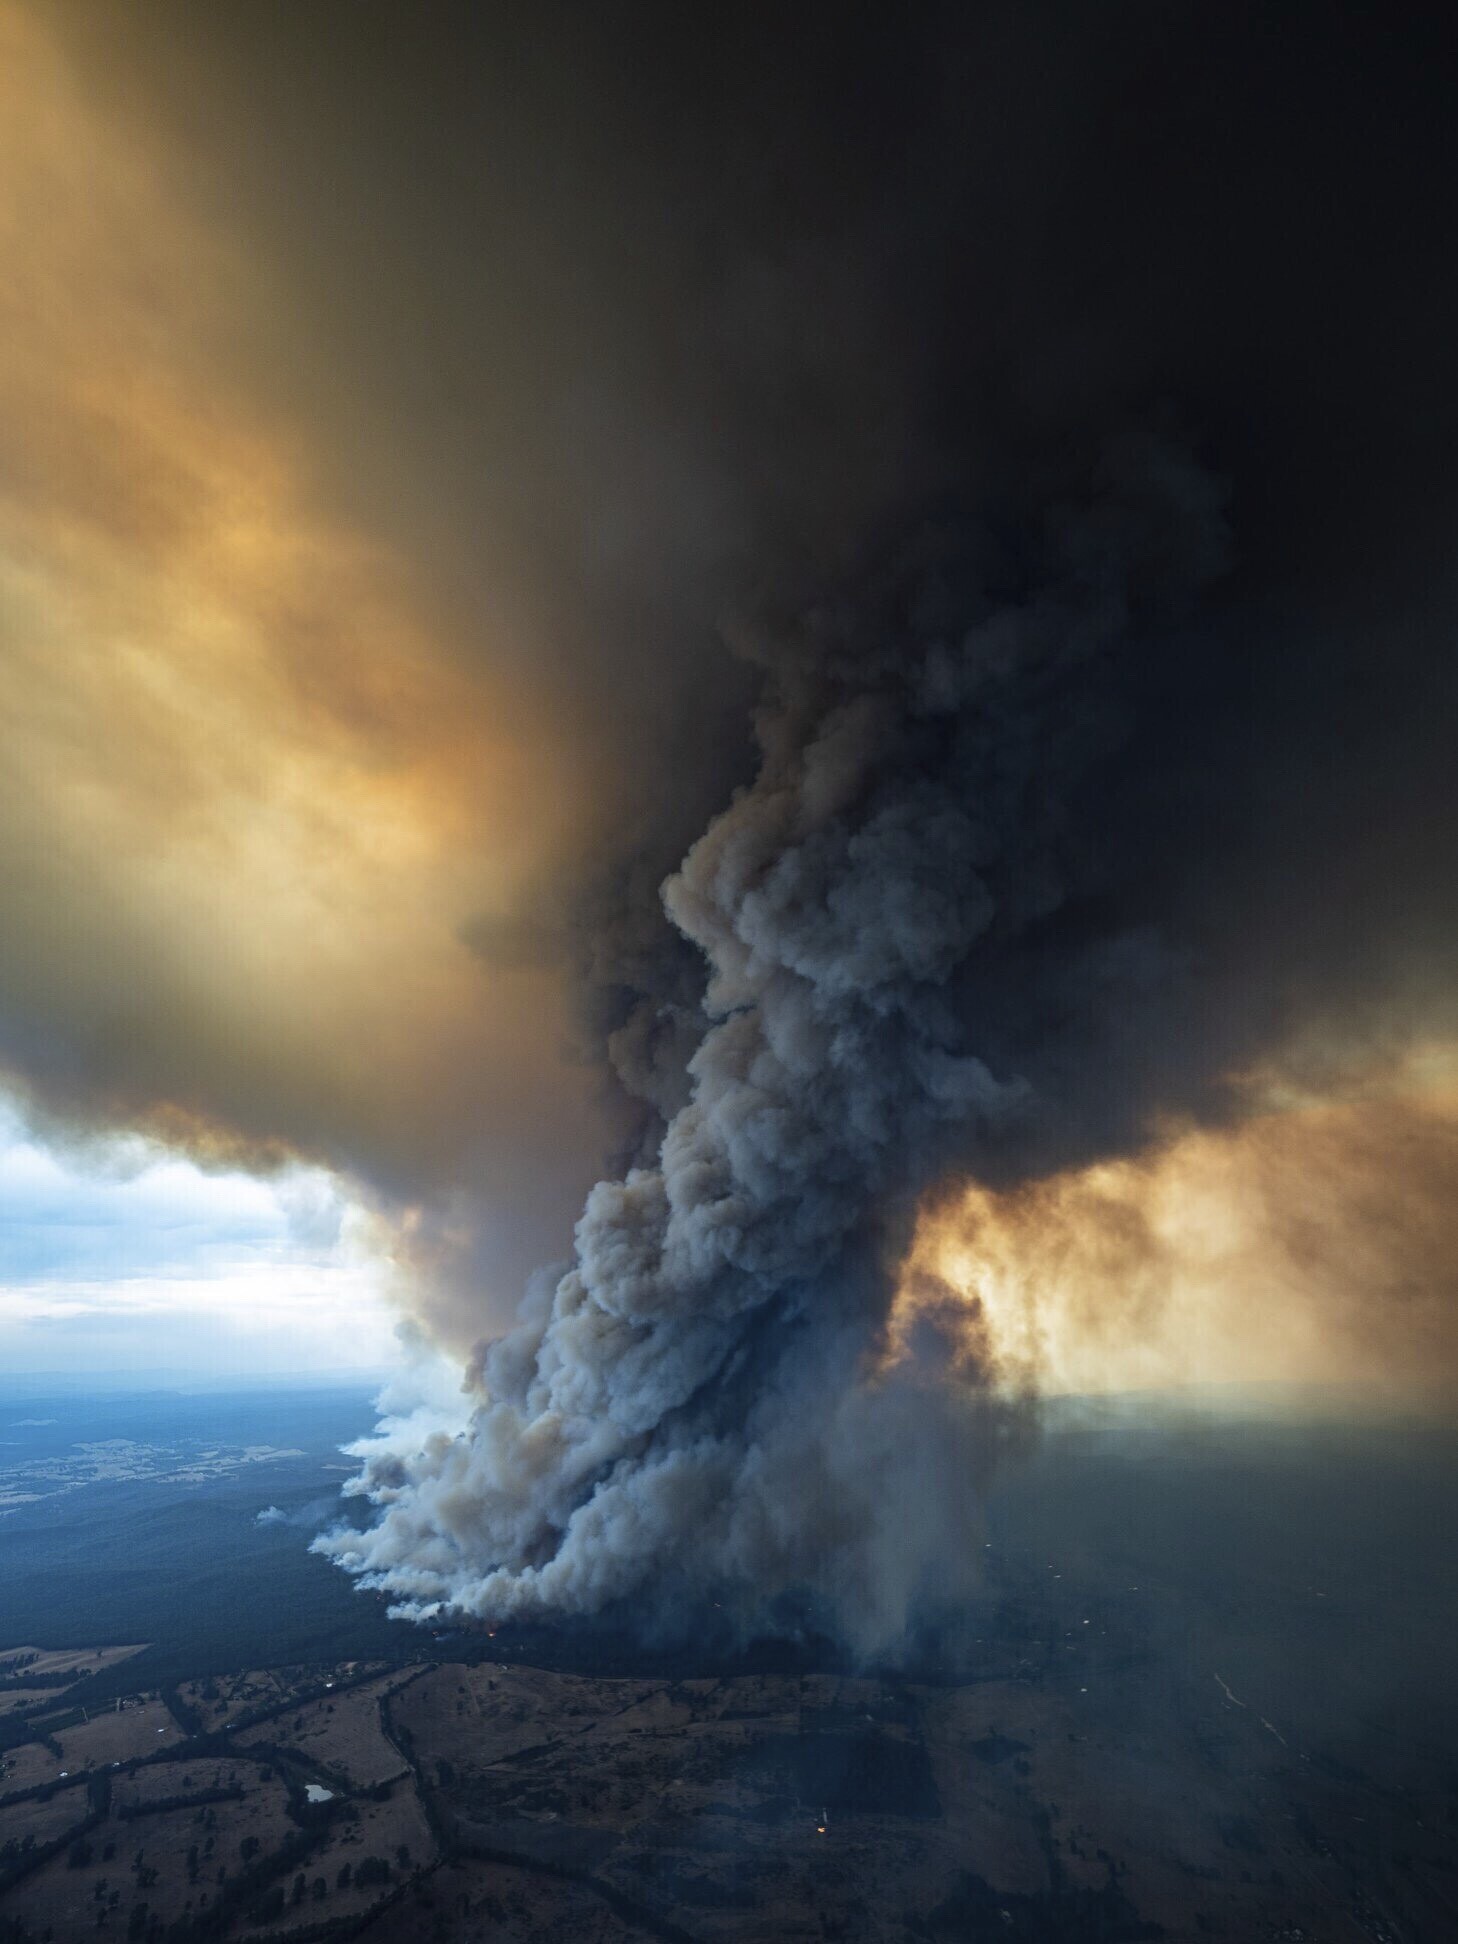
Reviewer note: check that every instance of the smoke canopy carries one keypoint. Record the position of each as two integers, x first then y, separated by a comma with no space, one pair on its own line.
1053,409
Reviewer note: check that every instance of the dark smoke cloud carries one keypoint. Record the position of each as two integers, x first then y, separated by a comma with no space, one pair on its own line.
693,1401
1053,407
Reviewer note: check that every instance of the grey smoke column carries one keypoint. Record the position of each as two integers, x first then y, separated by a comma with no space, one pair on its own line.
692,1399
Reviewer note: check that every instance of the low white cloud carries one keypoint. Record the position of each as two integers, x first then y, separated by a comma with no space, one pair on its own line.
128,1256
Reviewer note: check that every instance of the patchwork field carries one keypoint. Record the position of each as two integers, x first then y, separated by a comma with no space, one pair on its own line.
1190,1705
42,1663
1089,1788
341,1732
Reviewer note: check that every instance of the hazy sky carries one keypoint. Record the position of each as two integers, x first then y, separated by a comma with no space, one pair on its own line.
409,438
254,785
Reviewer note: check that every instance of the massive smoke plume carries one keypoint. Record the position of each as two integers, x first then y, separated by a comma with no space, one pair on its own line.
1010,447
928,948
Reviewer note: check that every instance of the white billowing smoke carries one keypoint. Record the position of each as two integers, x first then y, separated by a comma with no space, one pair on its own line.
696,1408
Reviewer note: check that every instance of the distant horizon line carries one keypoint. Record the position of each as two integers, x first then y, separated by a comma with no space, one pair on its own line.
18,1386
153,1377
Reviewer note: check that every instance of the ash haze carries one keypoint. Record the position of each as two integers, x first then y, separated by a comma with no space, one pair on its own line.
780,685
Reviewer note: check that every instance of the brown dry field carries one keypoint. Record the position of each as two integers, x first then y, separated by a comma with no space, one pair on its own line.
66,1660
340,1733
477,1903
380,1831
42,1819
17,1700
142,1787
222,1700
111,1735
26,1768
69,1899
229,1698
119,1735
1092,1796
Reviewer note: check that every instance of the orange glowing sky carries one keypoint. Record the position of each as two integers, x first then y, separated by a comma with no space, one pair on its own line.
1309,1243
253,788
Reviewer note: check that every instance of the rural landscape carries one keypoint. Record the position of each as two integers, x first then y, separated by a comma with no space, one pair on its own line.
1160,1723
